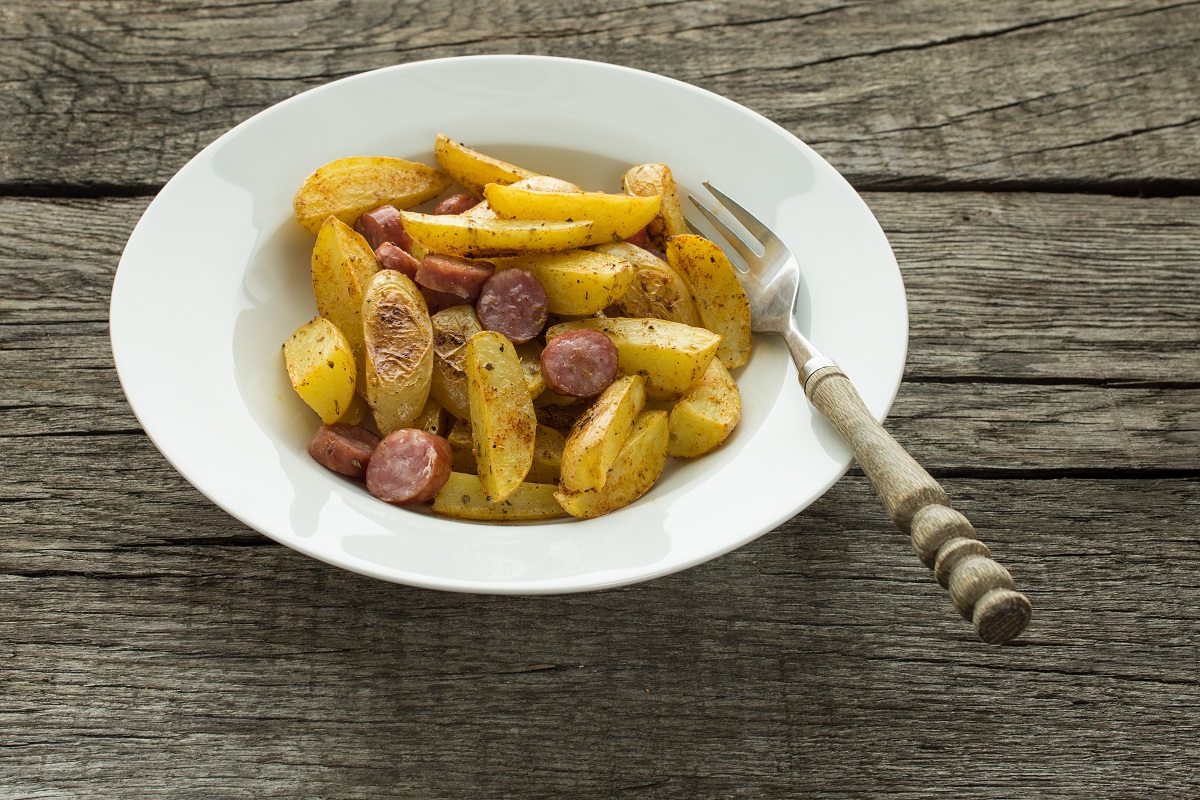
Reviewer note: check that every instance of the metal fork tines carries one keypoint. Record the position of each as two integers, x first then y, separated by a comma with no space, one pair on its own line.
944,539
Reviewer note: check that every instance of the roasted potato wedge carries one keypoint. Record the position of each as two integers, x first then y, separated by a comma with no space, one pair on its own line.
462,446
577,282
349,187
465,497
647,180
613,216
720,299
656,290
452,328
356,411
538,183
399,350
468,236
598,435
320,365
530,354
342,266
432,419
473,169
706,414
503,425
636,468
547,456
670,356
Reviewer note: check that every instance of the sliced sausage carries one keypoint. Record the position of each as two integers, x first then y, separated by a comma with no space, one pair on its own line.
456,204
381,225
343,448
639,238
390,256
409,466
454,275
579,363
514,303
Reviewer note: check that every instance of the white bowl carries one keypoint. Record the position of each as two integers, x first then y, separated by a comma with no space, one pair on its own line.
216,276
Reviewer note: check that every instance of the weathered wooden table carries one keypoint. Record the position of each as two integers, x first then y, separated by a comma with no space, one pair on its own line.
1036,166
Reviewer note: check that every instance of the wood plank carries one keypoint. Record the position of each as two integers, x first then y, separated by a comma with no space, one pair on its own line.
1084,93
819,660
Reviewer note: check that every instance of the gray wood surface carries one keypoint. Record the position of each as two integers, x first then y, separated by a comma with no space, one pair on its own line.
1034,165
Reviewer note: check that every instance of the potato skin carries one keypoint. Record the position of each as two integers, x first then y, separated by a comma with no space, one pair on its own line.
503,423
349,187
452,328
636,468
399,350
321,368
651,179
655,290
706,414
720,299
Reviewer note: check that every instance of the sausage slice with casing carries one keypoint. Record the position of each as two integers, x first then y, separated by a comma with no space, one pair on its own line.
409,466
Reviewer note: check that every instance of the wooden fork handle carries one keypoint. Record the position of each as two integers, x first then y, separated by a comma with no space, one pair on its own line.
944,539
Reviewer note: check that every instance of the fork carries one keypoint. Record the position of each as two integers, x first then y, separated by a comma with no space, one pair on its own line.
982,590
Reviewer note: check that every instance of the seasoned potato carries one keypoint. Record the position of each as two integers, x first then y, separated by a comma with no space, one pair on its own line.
349,187
599,434
547,456
656,290
473,169
720,299
432,419
342,266
577,282
538,183
356,411
646,180
320,366
669,355
503,425
530,354
464,497
399,350
614,216
452,328
462,446
706,414
634,471
463,235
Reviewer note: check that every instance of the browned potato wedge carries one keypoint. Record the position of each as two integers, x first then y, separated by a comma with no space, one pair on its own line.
656,290
463,235
399,350
719,297
452,328
464,497
669,355
538,183
503,425
613,216
598,435
577,282
432,419
706,414
342,266
320,366
462,446
473,169
646,180
634,471
349,187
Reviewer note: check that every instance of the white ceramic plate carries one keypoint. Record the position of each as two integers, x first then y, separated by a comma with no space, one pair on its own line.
216,276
